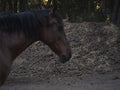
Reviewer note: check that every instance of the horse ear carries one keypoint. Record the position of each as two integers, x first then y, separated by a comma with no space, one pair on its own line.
54,6
53,11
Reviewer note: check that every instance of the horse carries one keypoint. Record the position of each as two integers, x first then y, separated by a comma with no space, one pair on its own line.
19,30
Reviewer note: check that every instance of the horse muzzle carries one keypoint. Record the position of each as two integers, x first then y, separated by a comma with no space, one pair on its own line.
65,57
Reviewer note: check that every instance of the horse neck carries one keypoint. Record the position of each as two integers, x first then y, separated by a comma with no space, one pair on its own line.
16,43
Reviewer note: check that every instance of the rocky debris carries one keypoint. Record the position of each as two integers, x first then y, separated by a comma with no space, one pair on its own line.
95,48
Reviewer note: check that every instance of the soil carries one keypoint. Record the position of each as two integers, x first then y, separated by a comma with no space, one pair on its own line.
95,62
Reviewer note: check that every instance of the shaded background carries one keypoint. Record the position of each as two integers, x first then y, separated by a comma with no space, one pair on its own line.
72,10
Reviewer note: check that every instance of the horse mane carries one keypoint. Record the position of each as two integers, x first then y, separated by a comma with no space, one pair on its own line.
26,22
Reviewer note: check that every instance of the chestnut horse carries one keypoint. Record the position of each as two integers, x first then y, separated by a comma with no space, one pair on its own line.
18,31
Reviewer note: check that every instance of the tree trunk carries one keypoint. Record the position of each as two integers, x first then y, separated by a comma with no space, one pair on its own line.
15,5
23,5
118,20
10,5
89,10
115,12
3,5
48,4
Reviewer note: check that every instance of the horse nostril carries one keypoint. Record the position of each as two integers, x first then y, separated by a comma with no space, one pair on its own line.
65,57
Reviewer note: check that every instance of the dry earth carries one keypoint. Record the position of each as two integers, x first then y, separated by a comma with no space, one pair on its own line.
95,64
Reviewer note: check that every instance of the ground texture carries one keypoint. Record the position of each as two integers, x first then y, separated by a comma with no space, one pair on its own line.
95,63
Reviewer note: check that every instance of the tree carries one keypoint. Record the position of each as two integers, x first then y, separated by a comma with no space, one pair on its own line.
15,5
23,6
115,11
73,10
3,5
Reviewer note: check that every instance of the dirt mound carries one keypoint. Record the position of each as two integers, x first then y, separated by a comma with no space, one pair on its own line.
95,48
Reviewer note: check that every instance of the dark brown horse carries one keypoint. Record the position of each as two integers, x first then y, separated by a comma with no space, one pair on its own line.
18,31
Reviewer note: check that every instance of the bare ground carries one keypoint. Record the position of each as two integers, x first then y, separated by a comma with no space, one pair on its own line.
95,64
